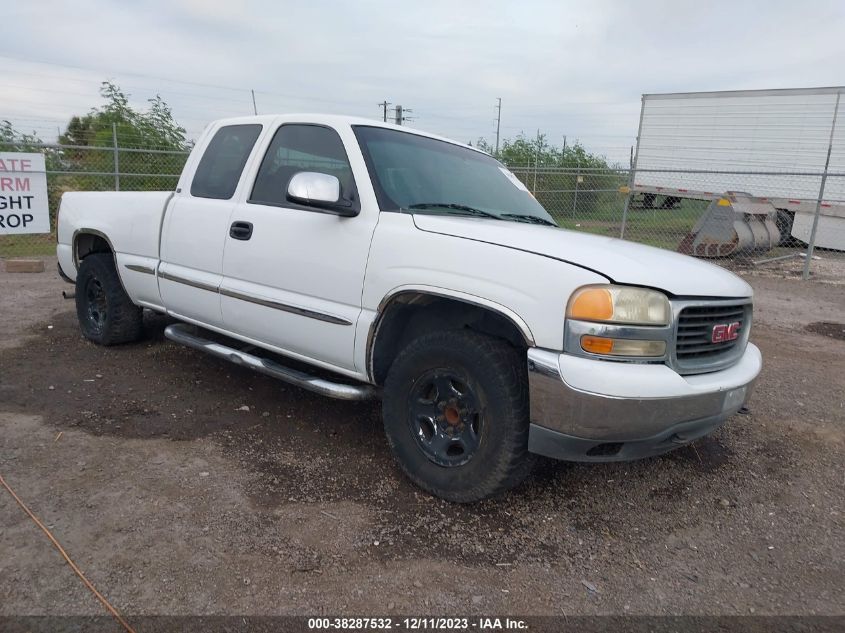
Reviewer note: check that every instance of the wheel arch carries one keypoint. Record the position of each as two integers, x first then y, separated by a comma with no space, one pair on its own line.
86,241
400,316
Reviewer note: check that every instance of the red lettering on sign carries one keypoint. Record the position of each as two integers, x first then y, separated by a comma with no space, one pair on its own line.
14,184
15,164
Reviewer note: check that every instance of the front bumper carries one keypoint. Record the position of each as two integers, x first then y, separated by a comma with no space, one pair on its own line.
595,410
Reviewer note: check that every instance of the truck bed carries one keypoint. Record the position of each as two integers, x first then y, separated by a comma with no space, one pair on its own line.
130,221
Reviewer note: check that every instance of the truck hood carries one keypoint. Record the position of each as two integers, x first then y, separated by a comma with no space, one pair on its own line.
618,260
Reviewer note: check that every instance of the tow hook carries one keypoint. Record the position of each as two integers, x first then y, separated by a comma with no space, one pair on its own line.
68,295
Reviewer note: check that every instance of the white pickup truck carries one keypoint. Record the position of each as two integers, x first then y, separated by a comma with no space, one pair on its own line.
395,264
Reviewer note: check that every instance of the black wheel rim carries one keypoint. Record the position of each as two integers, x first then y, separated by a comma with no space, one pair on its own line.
97,307
445,417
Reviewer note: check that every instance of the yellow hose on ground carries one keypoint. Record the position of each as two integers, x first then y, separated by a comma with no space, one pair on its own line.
64,554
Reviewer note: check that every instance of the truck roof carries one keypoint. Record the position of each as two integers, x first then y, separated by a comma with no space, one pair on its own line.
335,120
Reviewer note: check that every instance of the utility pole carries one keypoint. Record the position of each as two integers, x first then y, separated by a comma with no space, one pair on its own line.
254,108
383,106
399,115
536,161
498,123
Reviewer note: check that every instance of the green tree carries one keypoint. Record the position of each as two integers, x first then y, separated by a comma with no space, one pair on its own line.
524,151
11,140
80,131
153,148
90,140
153,128
569,182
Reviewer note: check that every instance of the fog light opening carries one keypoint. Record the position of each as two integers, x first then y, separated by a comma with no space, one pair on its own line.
608,449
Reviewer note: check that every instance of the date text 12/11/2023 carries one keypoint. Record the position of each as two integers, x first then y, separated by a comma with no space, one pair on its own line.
418,624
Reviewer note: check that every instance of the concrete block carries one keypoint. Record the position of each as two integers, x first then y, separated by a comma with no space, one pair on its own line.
24,265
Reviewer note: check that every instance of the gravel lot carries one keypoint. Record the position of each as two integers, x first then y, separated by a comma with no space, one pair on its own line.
174,499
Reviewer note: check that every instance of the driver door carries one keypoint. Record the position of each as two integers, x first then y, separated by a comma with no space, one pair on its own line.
295,282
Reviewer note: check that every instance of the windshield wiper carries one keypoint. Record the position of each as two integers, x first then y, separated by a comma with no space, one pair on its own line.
531,219
465,210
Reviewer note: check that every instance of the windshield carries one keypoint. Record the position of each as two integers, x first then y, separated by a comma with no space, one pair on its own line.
418,174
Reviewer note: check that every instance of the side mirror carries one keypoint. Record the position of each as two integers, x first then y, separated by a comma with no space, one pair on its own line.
318,190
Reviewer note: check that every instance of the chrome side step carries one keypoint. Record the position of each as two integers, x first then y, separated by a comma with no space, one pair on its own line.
185,334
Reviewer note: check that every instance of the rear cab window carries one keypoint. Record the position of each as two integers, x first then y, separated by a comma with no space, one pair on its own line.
223,161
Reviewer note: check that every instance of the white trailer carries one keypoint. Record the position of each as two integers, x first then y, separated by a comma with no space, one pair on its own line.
769,144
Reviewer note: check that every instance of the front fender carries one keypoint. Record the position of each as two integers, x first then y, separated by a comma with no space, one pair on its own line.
529,289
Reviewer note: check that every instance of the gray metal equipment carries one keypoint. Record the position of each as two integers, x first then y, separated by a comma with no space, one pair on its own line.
733,224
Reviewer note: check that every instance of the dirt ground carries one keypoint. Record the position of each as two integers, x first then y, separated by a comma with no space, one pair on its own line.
174,499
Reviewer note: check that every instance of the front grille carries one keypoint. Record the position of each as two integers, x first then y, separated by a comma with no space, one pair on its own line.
694,347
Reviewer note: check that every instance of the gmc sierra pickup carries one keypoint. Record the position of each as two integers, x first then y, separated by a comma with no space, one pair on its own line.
394,264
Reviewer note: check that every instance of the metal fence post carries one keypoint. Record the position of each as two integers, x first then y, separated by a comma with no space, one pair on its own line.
577,178
116,157
812,243
633,171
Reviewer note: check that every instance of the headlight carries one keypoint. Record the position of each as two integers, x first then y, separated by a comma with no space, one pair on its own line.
619,304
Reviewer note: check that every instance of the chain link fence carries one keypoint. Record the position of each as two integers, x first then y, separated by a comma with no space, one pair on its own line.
86,168
739,219
709,214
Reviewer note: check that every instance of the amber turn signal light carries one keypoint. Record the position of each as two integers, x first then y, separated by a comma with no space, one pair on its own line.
597,344
622,346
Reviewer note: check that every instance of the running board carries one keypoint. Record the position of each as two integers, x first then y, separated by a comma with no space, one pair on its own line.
185,334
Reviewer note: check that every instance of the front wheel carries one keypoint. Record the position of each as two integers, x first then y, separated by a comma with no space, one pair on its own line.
456,414
106,314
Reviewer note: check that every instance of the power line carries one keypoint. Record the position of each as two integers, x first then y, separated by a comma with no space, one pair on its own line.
207,106
123,72
294,97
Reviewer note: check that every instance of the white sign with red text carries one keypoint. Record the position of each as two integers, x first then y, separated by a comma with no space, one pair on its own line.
23,194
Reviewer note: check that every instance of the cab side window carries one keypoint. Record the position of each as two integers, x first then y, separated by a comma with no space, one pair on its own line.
296,148
223,161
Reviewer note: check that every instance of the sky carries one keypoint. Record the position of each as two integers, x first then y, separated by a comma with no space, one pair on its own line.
573,69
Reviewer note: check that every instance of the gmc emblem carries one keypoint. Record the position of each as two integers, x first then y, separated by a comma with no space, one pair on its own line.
724,332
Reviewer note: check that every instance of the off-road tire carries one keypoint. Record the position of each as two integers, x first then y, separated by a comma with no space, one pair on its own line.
106,314
497,373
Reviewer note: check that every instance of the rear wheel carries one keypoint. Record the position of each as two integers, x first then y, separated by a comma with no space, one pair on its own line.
106,314
456,414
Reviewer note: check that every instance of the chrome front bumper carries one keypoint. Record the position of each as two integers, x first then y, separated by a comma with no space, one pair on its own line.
595,410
